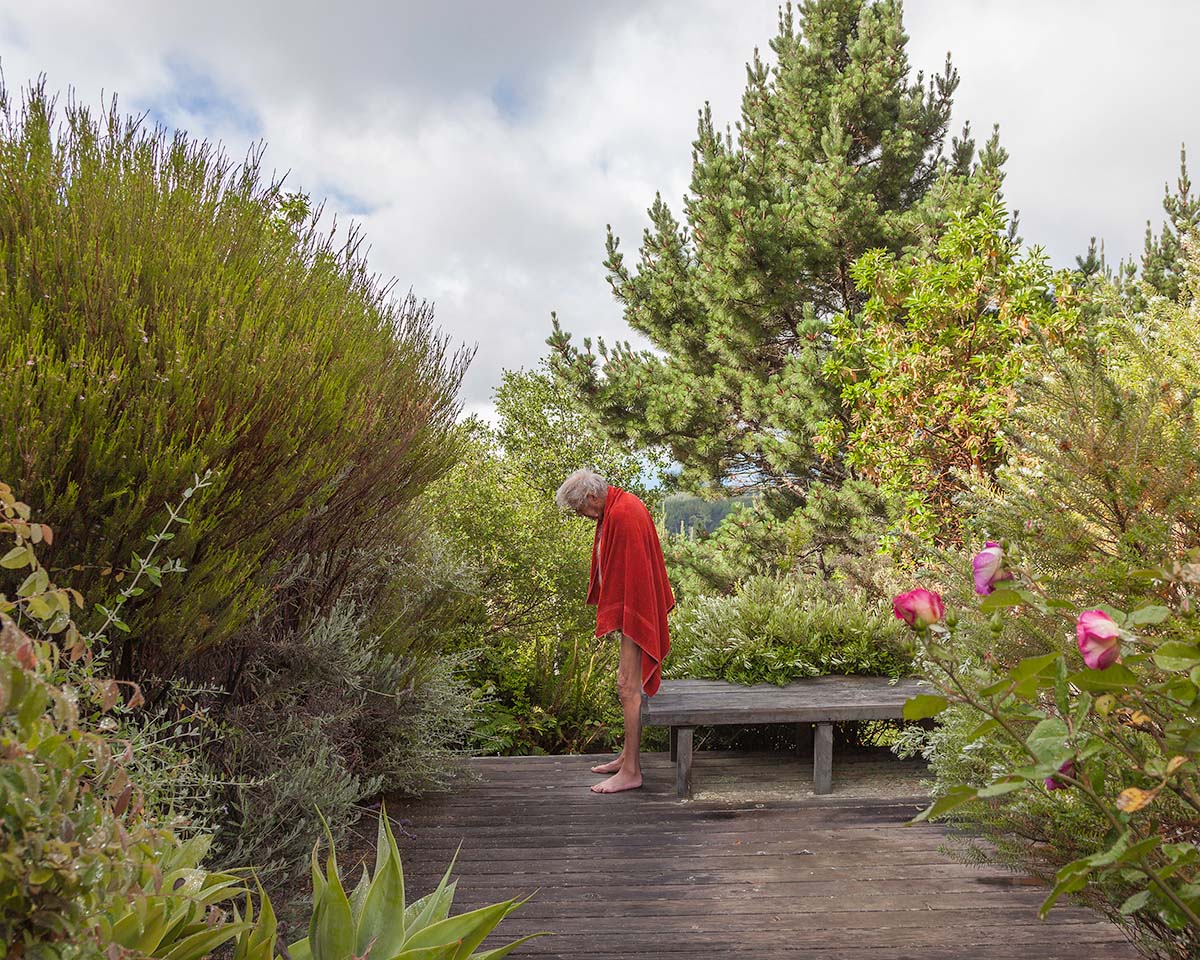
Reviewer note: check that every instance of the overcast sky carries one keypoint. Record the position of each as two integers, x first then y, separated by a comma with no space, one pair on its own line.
484,144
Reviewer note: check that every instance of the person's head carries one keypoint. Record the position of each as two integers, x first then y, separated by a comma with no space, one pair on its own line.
583,492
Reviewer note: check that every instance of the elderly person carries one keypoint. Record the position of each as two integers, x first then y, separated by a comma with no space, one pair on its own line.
629,588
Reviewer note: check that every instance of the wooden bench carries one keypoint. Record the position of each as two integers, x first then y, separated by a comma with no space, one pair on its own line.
683,705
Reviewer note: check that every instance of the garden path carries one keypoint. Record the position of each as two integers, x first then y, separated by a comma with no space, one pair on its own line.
738,872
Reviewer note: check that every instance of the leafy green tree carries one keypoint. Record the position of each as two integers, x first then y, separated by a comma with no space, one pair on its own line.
547,433
929,364
838,151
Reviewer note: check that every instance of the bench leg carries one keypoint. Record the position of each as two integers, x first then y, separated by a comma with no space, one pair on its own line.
683,761
823,759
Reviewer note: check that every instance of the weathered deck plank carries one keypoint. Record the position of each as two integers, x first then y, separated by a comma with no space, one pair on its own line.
732,874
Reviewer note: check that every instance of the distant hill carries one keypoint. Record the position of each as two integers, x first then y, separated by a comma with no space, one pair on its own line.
685,513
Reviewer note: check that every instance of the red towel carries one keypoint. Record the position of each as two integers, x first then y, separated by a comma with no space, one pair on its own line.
628,585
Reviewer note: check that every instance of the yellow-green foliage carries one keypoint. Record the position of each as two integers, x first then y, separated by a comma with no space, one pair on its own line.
927,369
164,310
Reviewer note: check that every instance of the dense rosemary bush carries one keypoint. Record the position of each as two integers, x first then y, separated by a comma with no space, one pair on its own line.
328,720
164,310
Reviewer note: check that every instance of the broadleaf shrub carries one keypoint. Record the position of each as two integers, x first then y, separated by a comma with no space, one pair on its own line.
1069,763
1102,738
85,869
927,369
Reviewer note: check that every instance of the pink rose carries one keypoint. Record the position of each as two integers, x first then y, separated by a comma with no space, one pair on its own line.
989,568
1099,639
1068,768
919,608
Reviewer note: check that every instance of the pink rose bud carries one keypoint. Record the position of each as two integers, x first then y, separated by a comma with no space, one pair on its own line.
919,608
989,568
1068,769
1099,639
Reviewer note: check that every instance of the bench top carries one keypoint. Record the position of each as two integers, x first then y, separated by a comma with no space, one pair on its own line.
811,700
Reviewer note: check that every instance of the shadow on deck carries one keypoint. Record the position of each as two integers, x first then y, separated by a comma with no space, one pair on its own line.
754,867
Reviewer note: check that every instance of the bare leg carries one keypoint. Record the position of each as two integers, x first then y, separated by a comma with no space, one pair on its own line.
612,766
628,775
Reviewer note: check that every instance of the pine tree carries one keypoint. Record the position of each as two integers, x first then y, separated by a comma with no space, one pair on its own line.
1163,260
838,151
1093,264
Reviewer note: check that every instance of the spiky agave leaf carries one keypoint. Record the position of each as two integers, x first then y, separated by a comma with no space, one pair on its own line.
331,930
469,928
500,952
382,926
426,916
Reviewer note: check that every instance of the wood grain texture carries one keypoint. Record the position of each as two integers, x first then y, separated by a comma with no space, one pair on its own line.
642,875
812,700
683,761
823,759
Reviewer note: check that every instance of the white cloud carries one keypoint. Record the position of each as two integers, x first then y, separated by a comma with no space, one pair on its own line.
484,146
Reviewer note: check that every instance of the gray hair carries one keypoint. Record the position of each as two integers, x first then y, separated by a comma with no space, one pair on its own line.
578,486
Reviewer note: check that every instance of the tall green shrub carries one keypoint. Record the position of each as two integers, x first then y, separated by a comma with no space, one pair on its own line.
164,310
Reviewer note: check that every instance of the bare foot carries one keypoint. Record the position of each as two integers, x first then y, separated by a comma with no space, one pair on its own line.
618,782
612,766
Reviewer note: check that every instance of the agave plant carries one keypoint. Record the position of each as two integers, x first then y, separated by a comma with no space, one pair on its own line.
374,922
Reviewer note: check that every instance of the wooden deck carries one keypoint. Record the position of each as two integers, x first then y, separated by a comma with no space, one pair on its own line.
738,872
